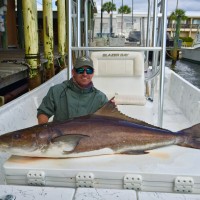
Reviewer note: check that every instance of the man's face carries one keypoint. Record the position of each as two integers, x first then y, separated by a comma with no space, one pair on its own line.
83,79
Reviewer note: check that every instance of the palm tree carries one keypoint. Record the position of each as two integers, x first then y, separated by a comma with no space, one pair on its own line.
125,10
178,15
109,7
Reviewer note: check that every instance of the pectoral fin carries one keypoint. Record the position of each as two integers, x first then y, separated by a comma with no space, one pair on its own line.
68,142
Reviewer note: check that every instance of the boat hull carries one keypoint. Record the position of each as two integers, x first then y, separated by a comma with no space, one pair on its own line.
192,54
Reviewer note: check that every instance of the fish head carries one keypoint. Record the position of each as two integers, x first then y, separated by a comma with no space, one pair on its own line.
19,141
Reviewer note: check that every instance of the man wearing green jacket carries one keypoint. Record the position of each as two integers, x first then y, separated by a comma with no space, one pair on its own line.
72,98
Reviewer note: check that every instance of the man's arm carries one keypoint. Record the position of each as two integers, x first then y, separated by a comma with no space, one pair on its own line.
42,119
46,108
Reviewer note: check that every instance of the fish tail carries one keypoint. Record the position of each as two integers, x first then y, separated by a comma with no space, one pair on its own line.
192,136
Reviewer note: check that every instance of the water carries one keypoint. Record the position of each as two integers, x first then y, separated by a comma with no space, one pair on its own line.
187,70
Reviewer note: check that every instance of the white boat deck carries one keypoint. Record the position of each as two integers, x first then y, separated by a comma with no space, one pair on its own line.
51,193
168,173
165,162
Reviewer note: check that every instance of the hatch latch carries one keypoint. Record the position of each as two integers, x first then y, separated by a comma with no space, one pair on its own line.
84,179
183,184
133,182
36,178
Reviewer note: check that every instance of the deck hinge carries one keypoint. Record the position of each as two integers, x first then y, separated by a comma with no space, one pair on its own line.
183,184
36,178
84,179
133,182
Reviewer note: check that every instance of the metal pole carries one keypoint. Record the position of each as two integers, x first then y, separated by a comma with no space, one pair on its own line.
162,73
101,24
154,36
148,24
86,25
122,18
116,48
142,39
132,15
111,25
155,12
79,22
70,39
148,31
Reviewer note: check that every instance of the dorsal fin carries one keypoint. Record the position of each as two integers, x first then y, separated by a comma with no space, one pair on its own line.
110,110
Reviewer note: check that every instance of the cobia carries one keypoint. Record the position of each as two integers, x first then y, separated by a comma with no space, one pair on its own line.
105,132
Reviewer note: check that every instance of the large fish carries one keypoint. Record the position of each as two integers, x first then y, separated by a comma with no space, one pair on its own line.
105,132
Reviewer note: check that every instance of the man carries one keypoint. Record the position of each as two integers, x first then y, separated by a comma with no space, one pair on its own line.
73,98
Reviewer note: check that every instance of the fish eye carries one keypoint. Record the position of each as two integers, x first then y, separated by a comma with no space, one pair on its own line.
17,136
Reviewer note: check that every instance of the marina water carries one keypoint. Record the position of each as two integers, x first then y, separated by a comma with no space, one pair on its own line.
188,70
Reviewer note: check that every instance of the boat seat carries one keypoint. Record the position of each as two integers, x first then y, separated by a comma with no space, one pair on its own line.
117,73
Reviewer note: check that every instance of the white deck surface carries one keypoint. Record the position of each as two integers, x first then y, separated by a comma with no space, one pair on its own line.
169,160
166,196
104,194
36,193
47,193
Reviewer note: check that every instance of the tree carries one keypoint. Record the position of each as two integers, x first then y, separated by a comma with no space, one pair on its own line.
124,9
178,15
109,7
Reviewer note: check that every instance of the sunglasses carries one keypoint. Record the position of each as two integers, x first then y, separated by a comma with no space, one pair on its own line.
87,70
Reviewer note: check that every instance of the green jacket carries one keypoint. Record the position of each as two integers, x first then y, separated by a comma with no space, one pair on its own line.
67,100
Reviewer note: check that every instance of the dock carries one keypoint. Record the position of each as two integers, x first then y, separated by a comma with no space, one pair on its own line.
12,66
14,73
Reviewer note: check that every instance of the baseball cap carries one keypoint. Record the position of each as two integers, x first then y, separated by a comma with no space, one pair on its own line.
83,61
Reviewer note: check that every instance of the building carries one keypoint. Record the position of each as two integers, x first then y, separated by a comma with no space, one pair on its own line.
123,24
189,27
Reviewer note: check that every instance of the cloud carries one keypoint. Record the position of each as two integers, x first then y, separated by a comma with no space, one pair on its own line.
189,5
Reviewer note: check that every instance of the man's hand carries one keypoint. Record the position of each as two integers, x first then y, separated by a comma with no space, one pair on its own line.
42,119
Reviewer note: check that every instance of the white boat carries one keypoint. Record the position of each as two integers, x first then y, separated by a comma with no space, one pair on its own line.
192,53
154,94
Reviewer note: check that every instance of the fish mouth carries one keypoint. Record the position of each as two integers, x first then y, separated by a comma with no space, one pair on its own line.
4,147
19,149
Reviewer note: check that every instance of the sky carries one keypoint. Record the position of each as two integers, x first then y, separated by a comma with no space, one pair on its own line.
141,5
